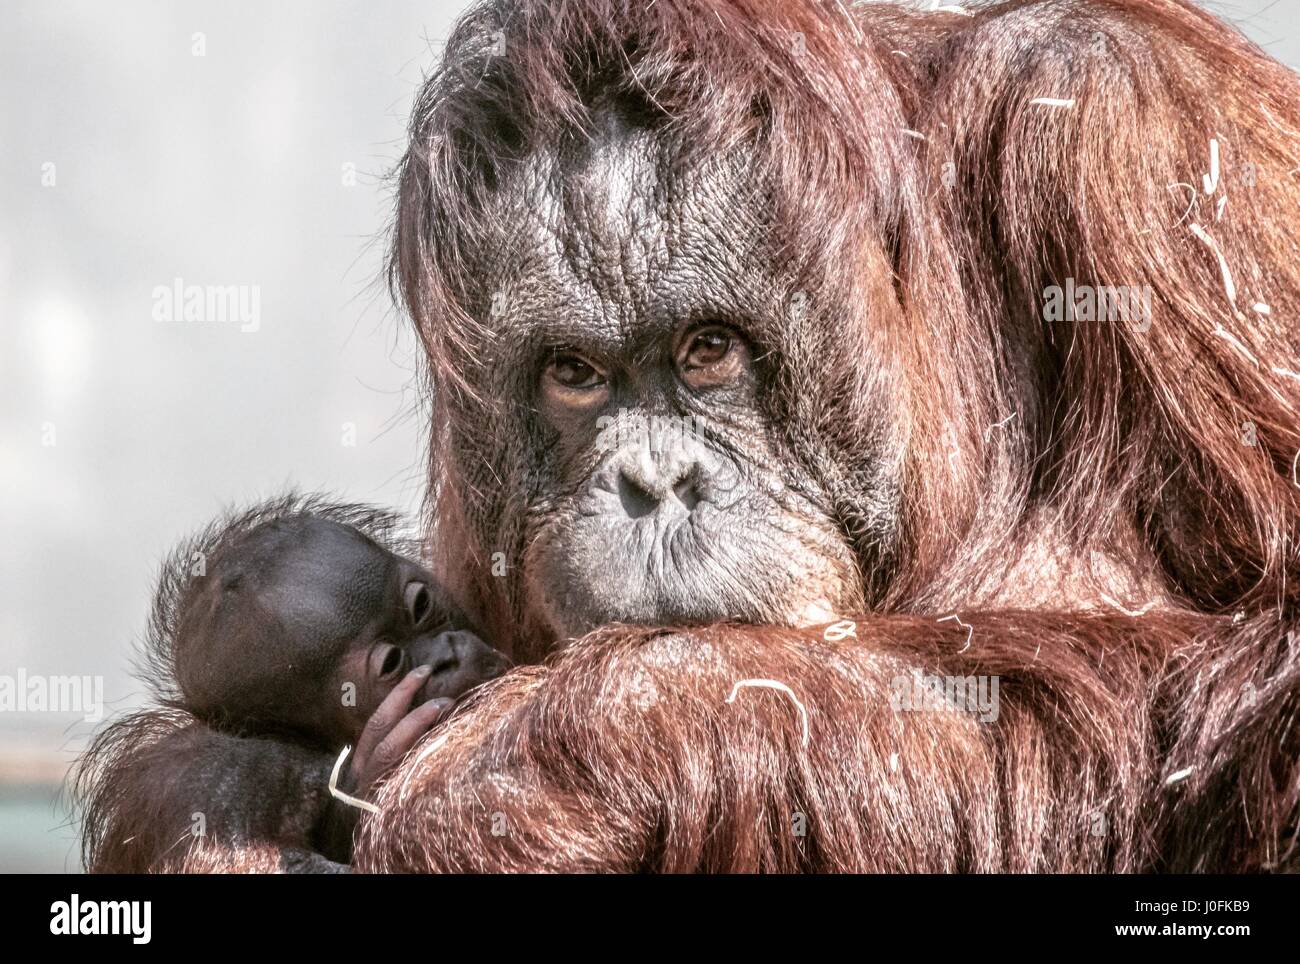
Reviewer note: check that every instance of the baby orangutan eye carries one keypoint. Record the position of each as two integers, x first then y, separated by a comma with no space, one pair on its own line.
386,661
418,602
711,356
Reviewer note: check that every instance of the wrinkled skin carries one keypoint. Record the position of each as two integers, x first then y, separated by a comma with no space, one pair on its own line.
660,492
621,270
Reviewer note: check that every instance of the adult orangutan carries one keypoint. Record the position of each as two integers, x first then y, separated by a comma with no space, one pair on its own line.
832,237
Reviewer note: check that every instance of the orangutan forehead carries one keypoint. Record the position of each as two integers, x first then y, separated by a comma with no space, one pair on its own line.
607,234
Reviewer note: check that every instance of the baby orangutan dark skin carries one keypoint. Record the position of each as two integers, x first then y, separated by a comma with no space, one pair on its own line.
303,632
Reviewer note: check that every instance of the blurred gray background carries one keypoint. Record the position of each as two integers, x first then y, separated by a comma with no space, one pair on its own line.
261,162
220,143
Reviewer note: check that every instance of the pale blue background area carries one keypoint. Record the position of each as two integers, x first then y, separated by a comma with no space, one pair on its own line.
221,169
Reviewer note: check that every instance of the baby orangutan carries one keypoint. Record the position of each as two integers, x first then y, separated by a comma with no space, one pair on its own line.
300,630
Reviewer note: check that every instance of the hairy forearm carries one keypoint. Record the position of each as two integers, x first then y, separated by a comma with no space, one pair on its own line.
1109,743
625,754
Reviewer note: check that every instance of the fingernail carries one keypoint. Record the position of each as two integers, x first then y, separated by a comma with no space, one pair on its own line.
423,670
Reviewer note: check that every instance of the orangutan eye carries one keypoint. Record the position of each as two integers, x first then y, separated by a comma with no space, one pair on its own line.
387,661
707,347
573,372
711,356
417,601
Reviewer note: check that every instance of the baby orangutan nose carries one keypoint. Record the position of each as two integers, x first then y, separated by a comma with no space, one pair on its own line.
460,661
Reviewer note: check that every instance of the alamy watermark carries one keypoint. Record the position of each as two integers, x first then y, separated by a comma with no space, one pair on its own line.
920,693
1130,304
129,918
632,429
209,303
22,693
